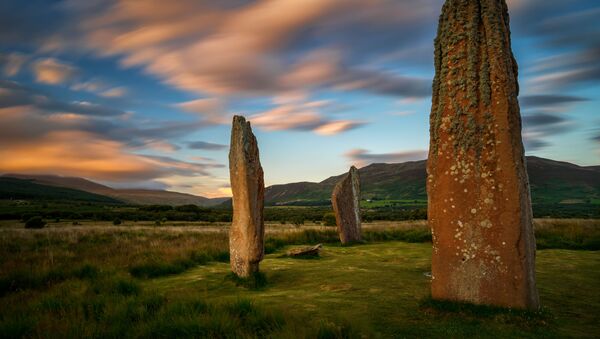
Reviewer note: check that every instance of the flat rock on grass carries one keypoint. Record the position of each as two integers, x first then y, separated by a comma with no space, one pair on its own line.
311,251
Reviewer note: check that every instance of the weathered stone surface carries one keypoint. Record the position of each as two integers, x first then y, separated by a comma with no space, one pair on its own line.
345,199
479,201
246,236
310,251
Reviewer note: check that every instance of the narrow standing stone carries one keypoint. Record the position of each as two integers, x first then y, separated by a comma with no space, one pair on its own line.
246,236
479,201
345,199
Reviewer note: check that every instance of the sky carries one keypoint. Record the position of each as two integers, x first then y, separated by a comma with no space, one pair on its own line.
141,93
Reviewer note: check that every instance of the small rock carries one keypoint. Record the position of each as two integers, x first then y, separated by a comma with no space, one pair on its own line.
311,251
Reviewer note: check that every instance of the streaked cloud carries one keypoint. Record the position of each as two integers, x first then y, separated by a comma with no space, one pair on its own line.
67,144
207,146
538,127
536,101
14,94
363,157
83,154
303,116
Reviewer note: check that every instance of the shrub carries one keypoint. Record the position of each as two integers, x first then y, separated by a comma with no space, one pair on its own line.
117,221
35,222
298,221
329,219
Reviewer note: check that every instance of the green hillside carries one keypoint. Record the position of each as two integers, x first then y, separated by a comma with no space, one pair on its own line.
19,189
552,182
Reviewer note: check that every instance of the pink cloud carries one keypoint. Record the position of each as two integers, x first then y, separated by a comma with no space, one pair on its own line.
303,116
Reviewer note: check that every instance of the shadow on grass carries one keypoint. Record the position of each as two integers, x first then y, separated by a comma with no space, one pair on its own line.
256,281
300,257
468,311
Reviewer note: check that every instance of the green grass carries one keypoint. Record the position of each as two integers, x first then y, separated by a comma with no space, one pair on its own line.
82,284
381,290
388,203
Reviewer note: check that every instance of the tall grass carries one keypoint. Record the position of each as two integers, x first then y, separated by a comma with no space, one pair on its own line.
78,282
38,259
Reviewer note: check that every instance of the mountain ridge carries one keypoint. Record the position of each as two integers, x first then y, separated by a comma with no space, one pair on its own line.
551,181
136,196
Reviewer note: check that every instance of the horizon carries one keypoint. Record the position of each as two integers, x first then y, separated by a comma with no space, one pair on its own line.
9,175
115,93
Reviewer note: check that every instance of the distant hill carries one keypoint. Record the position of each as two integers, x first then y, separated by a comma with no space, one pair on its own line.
551,182
158,197
26,189
131,196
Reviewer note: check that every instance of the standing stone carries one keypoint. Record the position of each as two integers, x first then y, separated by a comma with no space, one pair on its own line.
345,199
246,236
479,200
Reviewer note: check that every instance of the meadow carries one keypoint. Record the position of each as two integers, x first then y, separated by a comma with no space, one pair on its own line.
95,279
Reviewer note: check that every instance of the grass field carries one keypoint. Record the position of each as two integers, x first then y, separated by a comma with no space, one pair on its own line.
138,280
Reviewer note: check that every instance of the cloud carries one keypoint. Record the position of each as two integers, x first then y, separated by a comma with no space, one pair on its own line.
52,71
538,127
68,144
212,110
208,146
115,92
82,154
532,143
302,116
89,86
324,68
43,113
13,94
362,157
12,63
248,48
542,119
338,126
570,32
535,101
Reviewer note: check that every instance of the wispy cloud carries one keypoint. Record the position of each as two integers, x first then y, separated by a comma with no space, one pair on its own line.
207,146
303,116
537,101
13,94
362,157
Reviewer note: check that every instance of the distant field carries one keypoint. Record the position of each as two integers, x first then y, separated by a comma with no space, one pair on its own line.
391,203
138,279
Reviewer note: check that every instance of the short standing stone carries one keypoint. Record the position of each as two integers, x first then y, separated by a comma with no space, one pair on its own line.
345,199
246,236
479,206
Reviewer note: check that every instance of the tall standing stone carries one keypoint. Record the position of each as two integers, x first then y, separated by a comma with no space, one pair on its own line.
246,236
479,200
345,199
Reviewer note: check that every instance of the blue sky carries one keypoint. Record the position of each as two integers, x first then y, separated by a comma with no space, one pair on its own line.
141,93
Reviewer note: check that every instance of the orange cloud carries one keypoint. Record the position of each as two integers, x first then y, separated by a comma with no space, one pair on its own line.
52,71
75,153
67,144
